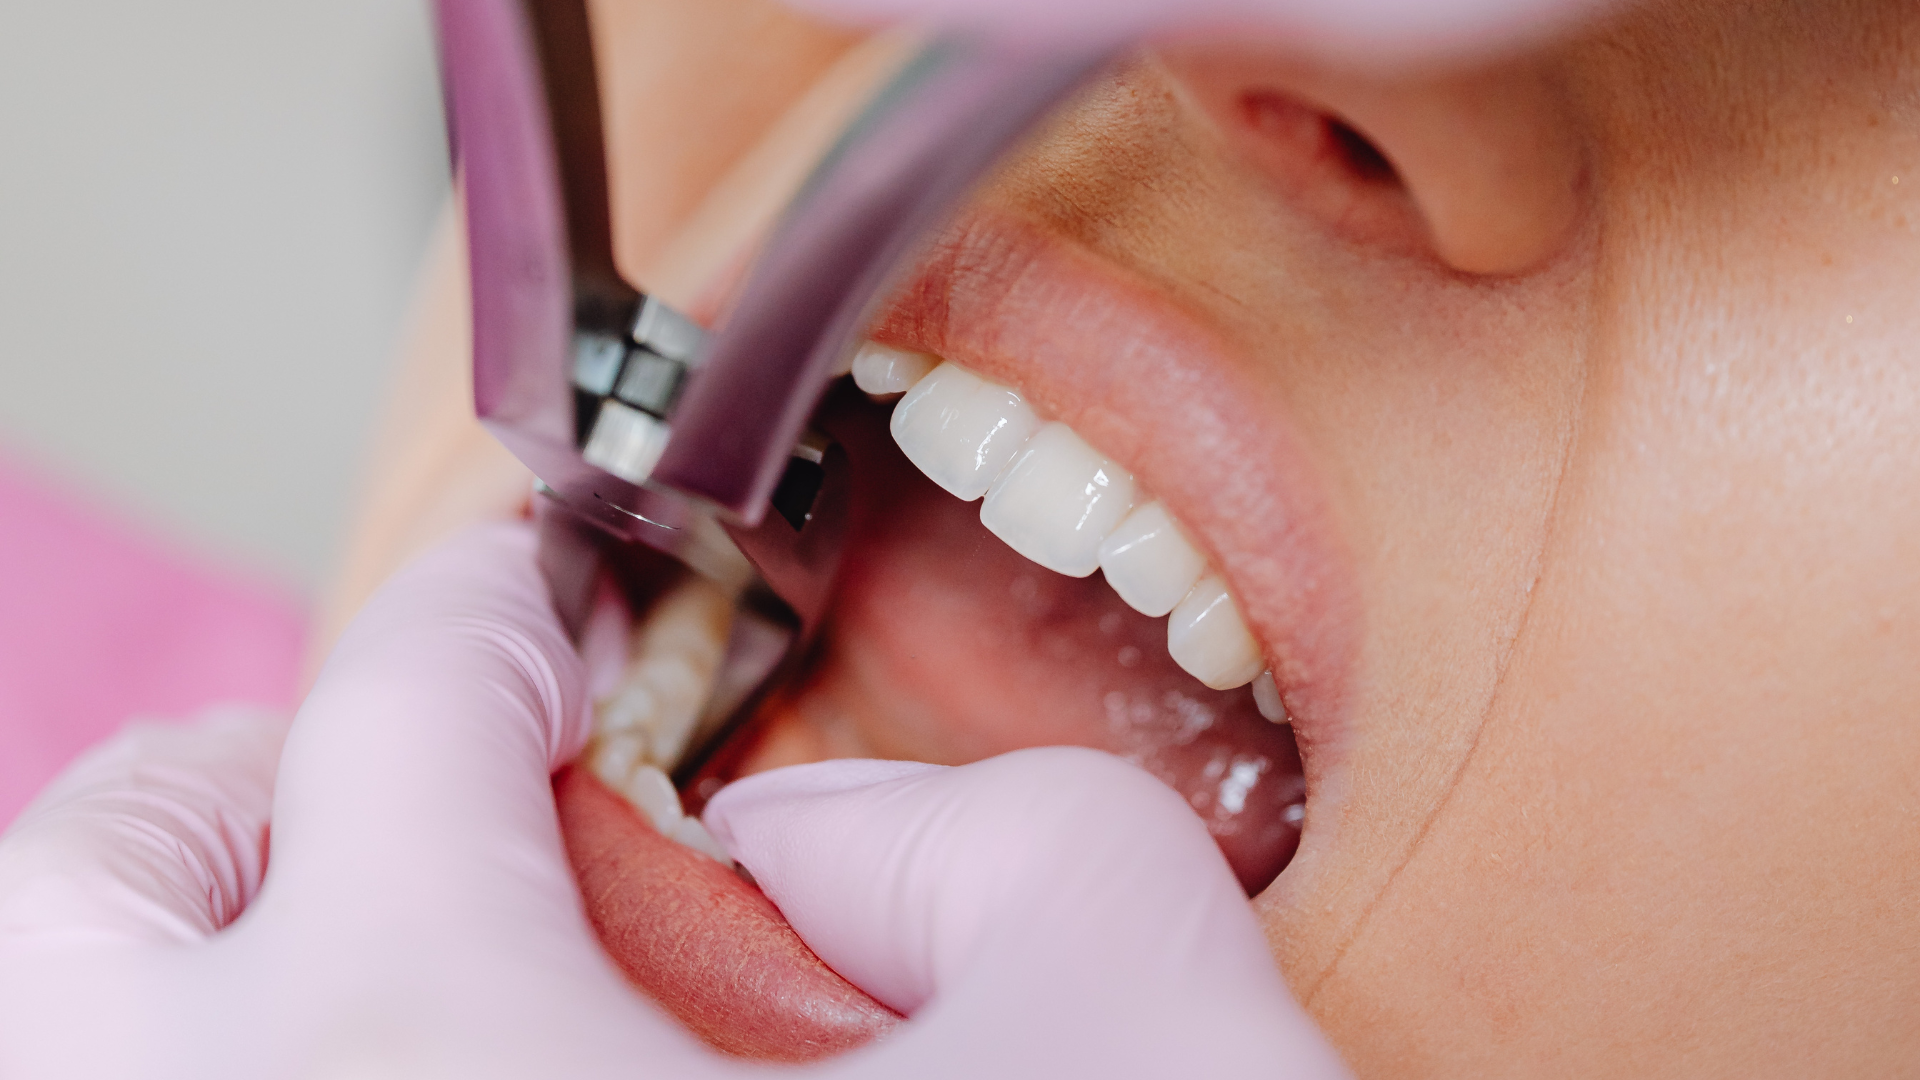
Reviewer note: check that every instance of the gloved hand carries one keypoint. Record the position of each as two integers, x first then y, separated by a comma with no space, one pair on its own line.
1048,913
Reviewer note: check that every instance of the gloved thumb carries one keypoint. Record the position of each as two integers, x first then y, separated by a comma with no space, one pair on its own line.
1060,898
415,776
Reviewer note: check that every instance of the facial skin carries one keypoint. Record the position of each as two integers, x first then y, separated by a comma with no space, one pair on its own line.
1632,522
1608,382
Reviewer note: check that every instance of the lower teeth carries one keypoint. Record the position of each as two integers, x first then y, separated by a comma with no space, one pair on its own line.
641,727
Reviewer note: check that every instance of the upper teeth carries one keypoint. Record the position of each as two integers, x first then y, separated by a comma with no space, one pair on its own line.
883,369
962,430
1149,561
1058,501
1061,503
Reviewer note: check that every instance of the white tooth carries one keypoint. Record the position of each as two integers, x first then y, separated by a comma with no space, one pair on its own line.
1207,637
1149,562
651,792
961,430
614,756
690,832
883,369
1057,501
672,660
1266,695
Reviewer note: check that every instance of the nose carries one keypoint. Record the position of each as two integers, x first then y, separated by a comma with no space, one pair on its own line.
1489,159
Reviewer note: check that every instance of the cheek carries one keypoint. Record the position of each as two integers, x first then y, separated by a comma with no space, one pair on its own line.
1446,413
1687,819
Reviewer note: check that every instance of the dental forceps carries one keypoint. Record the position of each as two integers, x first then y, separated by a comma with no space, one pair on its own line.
642,427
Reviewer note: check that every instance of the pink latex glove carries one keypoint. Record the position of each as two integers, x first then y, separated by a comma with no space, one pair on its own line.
1048,913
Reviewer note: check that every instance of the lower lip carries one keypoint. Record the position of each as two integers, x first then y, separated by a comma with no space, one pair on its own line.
703,943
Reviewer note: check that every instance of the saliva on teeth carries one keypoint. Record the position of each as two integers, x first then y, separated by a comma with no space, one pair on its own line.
1062,504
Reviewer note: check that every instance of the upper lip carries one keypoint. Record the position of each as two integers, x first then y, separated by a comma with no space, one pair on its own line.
1154,386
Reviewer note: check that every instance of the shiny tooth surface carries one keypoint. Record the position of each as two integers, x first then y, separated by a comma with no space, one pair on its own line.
882,369
1266,696
1061,504
961,430
1208,639
1149,562
1057,501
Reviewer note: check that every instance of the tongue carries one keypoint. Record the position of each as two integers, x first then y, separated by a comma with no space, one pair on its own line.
703,943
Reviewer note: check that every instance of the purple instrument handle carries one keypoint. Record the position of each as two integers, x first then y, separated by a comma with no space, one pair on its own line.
524,119
897,174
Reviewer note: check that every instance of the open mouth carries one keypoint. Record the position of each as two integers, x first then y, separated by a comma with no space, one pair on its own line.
1176,596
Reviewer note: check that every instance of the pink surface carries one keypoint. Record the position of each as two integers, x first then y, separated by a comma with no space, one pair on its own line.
99,624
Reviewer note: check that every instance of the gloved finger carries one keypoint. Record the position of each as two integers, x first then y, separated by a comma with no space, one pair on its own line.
1059,898
418,871
416,772
1370,30
158,834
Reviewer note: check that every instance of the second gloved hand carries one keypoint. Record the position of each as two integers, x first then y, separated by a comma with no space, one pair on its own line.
1047,913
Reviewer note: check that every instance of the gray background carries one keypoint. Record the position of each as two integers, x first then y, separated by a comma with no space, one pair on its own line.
210,215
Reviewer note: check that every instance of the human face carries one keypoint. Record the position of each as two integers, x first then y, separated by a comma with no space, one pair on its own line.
1554,421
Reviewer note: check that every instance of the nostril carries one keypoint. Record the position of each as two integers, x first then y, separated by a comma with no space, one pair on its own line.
1289,122
1324,165
1363,158
1482,169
